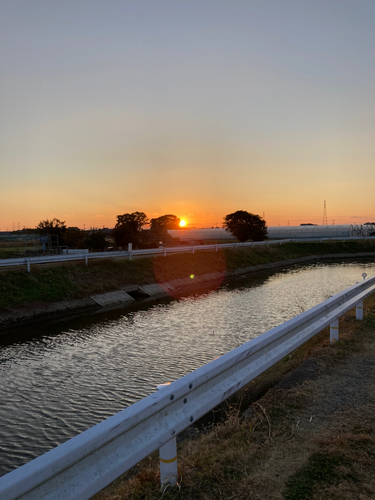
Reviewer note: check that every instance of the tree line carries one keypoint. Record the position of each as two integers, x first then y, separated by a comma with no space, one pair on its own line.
72,237
129,228
241,224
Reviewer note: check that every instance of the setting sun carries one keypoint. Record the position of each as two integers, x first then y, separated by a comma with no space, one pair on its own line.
182,223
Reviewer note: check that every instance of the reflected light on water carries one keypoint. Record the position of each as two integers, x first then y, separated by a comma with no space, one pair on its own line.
69,376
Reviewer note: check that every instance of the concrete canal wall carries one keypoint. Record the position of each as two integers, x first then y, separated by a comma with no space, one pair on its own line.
35,313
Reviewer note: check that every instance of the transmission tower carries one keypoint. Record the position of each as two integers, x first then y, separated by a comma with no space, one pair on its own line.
325,223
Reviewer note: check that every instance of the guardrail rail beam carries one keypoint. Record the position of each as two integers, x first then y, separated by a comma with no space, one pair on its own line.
85,464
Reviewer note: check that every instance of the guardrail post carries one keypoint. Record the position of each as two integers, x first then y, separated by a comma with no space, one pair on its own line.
215,248
28,265
168,456
168,462
130,248
359,310
86,260
334,331
193,249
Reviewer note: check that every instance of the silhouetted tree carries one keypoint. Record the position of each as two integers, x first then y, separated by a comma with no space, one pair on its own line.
75,237
245,226
47,226
96,240
53,227
168,221
158,232
134,220
128,228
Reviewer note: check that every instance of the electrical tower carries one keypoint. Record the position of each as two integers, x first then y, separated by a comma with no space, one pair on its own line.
325,223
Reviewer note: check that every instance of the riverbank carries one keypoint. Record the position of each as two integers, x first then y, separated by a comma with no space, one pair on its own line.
53,292
311,435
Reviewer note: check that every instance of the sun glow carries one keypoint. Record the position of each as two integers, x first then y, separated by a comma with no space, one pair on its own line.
182,223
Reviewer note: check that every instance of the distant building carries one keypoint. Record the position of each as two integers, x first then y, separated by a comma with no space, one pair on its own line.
304,231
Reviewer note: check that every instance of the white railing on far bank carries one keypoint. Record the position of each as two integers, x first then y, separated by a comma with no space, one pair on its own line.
129,254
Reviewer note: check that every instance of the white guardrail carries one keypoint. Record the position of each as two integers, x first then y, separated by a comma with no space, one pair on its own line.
87,463
129,254
21,261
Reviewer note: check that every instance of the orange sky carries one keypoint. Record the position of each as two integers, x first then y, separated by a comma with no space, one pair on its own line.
197,109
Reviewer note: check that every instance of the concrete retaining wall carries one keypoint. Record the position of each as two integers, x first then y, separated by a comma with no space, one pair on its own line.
32,314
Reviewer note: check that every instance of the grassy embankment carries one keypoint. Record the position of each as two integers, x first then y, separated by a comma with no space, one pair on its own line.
61,282
296,445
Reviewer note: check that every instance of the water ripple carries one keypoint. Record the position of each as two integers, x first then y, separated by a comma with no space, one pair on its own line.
69,376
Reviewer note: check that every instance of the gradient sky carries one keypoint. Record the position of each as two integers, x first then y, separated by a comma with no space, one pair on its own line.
196,108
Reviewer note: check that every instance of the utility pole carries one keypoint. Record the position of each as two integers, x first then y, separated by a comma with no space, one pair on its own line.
325,223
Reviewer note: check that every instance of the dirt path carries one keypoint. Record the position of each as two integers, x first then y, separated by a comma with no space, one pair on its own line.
322,443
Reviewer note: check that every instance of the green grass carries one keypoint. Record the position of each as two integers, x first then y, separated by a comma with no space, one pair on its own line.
10,253
259,255
59,282
46,285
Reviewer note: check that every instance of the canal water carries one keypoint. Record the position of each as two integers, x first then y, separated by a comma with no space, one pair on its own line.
58,379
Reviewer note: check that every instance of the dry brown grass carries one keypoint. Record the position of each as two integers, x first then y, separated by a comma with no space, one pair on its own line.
298,443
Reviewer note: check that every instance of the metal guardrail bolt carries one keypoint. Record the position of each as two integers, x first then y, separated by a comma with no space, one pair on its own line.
190,386
191,419
185,401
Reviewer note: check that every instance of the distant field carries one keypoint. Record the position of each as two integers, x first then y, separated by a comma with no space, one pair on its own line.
11,249
11,244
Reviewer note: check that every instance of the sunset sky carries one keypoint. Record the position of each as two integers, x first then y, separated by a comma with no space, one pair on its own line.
197,108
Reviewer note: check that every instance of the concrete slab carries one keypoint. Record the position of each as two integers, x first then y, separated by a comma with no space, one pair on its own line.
153,289
112,298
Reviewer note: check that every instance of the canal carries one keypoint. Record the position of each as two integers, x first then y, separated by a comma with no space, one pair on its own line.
58,379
